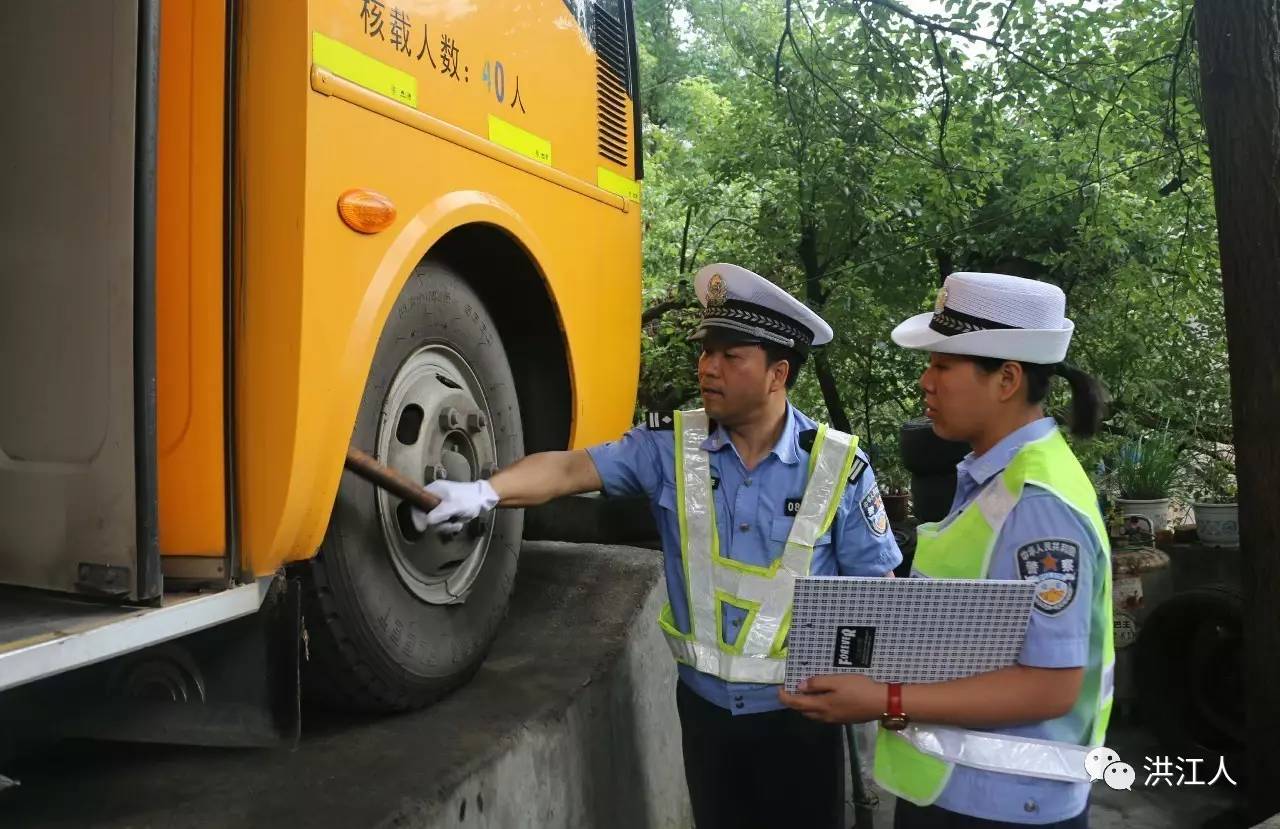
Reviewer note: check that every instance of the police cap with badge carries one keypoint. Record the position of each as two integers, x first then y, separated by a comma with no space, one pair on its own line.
741,306
744,307
993,315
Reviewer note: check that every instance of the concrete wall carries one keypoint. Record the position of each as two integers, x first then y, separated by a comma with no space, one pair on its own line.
612,758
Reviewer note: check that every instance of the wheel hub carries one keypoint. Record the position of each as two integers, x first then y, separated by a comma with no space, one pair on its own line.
435,425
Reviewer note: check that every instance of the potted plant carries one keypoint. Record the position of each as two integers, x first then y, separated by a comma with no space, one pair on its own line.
1095,455
894,489
1217,515
1145,472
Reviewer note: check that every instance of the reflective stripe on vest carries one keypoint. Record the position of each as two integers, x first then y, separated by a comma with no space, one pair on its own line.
916,763
711,580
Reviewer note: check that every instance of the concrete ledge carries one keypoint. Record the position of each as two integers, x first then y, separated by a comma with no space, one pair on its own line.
594,519
570,723
608,754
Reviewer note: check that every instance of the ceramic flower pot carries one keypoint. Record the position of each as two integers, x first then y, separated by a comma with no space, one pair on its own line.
1218,525
895,506
1156,511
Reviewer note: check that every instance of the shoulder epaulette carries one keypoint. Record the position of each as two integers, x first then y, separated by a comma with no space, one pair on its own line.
660,421
808,436
859,466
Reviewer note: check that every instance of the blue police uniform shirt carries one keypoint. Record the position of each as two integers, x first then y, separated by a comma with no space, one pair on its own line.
752,520
1058,638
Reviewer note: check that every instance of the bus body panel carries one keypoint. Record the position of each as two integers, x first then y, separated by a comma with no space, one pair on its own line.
313,294
189,280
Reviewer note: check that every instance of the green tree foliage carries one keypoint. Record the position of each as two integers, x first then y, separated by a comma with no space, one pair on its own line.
855,151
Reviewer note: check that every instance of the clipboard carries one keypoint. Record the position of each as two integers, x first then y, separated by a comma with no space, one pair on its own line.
905,630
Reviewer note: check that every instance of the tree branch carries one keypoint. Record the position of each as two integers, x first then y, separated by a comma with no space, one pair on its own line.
1096,162
946,99
684,240
880,127
1171,130
655,312
938,26
1004,18
693,258
777,58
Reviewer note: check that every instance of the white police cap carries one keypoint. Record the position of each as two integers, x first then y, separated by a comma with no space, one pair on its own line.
993,315
754,309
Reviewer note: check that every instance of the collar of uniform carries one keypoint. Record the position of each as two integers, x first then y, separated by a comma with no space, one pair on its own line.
984,467
787,448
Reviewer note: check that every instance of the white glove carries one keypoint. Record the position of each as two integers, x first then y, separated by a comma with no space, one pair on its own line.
460,503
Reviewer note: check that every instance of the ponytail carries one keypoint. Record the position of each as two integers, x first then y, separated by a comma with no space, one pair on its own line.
1087,400
1087,395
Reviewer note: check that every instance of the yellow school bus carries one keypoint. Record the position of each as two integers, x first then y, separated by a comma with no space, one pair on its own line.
245,235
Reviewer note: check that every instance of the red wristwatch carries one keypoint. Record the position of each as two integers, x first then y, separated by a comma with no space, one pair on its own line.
894,718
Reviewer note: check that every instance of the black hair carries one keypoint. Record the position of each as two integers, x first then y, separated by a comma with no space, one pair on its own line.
1087,396
774,353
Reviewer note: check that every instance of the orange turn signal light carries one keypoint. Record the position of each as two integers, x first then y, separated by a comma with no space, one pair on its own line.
365,211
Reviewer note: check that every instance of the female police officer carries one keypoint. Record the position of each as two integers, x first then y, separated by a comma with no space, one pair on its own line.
1023,509
749,493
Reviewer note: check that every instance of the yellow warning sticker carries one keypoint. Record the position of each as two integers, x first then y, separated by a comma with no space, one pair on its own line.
357,67
618,185
521,141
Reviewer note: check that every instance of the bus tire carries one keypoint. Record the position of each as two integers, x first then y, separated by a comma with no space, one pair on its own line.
387,629
1189,672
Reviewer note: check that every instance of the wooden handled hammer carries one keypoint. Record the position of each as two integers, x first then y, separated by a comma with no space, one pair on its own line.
378,474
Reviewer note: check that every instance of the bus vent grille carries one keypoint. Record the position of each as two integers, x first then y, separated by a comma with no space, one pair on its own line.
611,84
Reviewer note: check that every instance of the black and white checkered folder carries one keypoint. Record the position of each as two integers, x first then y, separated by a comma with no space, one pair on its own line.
905,630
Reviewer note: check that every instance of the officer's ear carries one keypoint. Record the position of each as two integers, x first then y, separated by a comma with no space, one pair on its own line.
780,372
1012,380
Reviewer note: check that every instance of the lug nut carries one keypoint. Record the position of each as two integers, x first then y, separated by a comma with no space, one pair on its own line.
435,473
476,421
450,418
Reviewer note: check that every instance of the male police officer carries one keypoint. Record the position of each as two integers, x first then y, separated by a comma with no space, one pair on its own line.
748,493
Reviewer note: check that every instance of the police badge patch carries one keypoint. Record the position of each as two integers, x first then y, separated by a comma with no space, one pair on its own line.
1051,564
873,512
717,291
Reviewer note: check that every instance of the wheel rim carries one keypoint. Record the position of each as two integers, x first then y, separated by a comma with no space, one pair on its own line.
435,424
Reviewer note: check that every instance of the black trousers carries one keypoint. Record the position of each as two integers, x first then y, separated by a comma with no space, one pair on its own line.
907,815
775,770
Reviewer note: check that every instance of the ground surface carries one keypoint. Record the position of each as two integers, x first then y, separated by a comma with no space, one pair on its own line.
574,607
